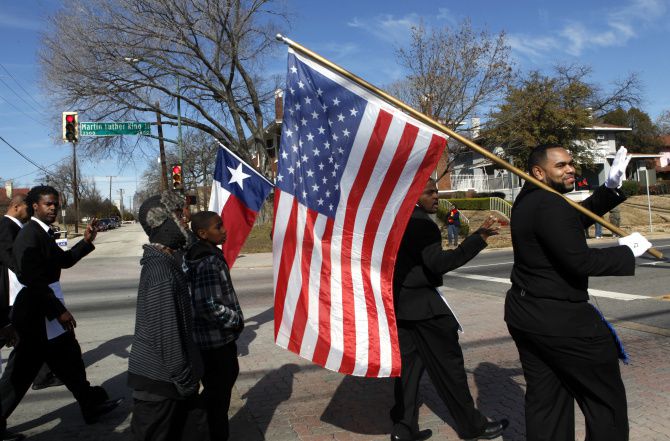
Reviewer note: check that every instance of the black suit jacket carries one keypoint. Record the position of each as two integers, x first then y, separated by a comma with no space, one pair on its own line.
420,265
39,262
8,232
553,263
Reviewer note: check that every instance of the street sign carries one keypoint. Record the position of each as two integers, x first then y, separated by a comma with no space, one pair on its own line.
114,128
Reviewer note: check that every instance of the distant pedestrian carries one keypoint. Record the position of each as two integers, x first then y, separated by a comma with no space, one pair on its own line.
217,316
453,225
39,261
615,218
165,367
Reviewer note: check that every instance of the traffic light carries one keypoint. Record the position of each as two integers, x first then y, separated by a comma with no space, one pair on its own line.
177,182
70,126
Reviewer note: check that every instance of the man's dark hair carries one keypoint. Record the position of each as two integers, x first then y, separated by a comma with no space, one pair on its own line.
36,193
538,156
201,220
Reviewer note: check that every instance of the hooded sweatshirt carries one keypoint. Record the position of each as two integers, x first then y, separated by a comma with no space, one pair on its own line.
163,360
217,316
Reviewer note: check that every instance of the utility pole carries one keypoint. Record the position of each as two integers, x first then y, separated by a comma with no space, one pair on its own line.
110,192
121,203
161,147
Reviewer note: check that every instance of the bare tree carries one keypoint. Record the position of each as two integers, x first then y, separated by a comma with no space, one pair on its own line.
454,73
119,59
663,123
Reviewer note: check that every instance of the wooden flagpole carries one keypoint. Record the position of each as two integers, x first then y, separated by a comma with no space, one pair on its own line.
442,128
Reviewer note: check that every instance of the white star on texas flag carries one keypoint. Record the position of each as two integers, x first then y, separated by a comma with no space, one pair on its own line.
237,175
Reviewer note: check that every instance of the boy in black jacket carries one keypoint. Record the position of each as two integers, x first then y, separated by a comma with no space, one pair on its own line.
218,318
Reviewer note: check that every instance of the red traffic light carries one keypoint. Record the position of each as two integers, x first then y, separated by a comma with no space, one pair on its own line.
69,118
176,169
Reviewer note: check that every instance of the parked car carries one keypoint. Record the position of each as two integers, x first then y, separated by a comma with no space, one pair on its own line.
104,224
60,236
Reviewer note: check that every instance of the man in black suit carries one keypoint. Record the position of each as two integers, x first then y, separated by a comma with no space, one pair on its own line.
566,349
10,225
428,329
39,262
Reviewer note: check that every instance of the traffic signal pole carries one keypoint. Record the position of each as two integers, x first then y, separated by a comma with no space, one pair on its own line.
75,192
161,149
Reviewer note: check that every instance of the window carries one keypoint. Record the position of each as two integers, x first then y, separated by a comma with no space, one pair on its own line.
600,138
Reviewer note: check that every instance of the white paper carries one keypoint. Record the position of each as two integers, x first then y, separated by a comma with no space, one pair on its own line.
460,327
53,327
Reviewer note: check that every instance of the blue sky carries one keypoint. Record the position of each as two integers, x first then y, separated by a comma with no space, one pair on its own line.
614,37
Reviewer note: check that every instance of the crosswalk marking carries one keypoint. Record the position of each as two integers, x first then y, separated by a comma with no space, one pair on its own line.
593,292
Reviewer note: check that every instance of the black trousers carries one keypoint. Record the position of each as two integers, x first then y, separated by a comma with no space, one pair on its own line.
432,345
169,420
221,370
560,370
63,356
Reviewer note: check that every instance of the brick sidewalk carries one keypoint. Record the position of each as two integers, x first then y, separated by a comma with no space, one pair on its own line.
280,396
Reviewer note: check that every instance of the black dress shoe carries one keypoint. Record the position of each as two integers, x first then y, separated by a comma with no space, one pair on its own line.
92,413
492,429
51,381
421,435
12,435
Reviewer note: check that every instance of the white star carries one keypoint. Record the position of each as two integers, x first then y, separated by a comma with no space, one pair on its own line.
320,201
304,158
339,149
321,166
331,207
294,148
291,170
295,126
335,137
334,173
336,165
316,151
340,117
284,155
308,100
304,194
310,173
303,122
330,159
300,179
319,91
292,90
327,193
324,179
326,145
280,178
297,106
337,186
336,102
315,115
297,164
322,130
310,137
291,111
301,84
330,123
294,69
315,187
353,112
345,132
289,133
324,107
300,142
238,176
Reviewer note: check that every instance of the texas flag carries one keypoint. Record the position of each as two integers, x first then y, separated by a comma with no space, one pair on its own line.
238,192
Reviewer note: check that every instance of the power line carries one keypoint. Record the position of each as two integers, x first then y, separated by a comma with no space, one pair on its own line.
19,84
67,158
20,97
16,108
25,157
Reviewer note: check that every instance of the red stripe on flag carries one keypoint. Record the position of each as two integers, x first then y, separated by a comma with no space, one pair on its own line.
238,220
302,306
323,341
436,147
386,188
357,190
285,264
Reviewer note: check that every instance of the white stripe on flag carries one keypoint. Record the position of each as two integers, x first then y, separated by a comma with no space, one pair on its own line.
279,232
218,197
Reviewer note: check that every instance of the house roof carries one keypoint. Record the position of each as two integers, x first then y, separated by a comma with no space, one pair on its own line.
605,127
15,191
665,140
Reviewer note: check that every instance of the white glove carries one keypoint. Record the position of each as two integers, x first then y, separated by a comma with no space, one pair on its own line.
618,169
637,243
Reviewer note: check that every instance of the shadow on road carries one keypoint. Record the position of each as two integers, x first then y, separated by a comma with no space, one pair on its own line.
495,385
117,346
70,425
261,404
251,325
361,405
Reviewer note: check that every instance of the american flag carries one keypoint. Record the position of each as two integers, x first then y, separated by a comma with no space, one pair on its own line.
351,168
238,192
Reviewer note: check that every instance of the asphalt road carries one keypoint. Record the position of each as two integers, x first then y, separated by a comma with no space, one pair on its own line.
638,298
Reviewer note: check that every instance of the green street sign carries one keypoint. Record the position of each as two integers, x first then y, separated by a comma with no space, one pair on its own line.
114,128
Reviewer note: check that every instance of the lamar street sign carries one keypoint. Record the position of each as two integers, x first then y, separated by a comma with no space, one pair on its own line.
114,128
